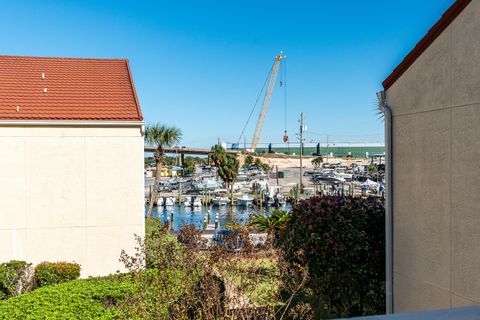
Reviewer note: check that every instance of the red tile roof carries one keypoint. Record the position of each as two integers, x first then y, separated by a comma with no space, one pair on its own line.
426,41
72,89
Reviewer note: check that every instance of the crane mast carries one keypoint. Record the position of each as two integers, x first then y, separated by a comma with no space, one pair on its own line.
266,100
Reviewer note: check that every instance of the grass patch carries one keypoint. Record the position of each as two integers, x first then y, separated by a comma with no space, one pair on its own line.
259,279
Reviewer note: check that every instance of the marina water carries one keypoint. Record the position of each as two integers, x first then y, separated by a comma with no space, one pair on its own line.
226,214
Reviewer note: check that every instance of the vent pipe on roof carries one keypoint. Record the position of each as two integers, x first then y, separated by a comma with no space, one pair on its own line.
18,109
43,75
45,90
385,109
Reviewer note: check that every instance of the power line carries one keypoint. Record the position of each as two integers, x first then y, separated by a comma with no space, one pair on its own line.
254,106
285,91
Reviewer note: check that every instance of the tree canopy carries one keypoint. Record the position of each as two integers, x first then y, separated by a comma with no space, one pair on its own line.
162,136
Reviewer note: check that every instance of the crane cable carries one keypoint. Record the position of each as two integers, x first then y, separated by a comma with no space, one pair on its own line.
284,83
255,105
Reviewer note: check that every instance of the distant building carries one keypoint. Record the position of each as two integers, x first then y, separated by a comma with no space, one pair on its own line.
171,171
71,164
165,172
434,95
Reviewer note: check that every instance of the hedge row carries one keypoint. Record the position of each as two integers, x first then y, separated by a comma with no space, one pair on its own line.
79,299
17,277
48,273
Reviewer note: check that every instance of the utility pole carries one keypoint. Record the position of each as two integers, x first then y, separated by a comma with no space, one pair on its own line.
301,154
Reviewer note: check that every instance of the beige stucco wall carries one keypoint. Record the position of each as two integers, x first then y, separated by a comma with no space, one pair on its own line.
70,194
436,172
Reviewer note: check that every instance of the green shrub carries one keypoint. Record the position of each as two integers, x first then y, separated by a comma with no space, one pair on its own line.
155,293
341,243
11,274
80,299
48,273
159,290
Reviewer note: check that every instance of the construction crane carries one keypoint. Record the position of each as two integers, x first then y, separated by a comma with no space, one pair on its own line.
269,84
272,78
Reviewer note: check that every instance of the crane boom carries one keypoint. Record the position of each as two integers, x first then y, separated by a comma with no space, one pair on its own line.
266,100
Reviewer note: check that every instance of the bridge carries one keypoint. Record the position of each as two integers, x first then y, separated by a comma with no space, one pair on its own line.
190,151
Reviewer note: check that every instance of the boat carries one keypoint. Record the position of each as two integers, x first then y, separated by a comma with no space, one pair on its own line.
169,201
197,202
268,198
259,184
188,201
328,177
348,177
160,202
206,183
245,200
237,186
273,196
220,201
279,200
242,177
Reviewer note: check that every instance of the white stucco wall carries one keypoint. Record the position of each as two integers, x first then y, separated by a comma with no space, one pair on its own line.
71,193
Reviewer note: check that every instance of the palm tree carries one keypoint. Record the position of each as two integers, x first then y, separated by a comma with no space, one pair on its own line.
379,108
161,136
217,155
248,161
229,171
227,167
270,224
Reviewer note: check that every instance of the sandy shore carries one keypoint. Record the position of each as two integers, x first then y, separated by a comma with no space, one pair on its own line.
289,162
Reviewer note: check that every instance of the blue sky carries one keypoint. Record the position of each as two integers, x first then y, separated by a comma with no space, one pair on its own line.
200,65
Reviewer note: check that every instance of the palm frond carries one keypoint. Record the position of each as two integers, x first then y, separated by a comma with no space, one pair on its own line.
162,136
379,110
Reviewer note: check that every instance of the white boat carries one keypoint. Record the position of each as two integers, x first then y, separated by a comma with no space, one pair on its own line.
237,186
279,200
273,196
242,177
244,201
187,202
260,185
160,202
220,201
206,183
169,201
197,202
269,198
